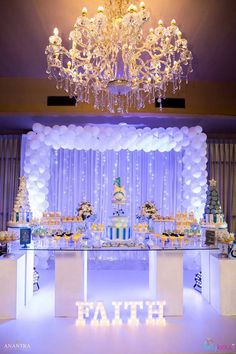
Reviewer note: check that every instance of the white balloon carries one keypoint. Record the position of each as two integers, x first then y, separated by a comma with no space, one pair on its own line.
40,184
203,137
198,129
173,144
47,130
37,127
95,131
56,128
160,130
196,172
63,130
31,135
178,148
178,136
79,130
196,202
196,188
56,146
192,132
26,169
34,144
187,180
185,142
170,131
72,127
185,130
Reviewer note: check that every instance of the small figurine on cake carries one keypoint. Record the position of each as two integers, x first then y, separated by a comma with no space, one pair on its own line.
119,195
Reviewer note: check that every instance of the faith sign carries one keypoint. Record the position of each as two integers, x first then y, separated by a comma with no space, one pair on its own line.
98,314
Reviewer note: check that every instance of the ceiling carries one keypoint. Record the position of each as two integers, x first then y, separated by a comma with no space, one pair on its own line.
209,26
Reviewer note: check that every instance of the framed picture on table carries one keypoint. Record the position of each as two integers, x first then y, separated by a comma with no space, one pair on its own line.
25,236
210,238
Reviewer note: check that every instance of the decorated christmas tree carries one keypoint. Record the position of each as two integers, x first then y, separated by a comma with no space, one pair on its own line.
21,211
213,212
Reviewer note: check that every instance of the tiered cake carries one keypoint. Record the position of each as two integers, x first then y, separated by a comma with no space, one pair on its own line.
119,230
21,214
213,215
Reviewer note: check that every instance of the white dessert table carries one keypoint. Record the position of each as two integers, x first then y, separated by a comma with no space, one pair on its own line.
165,281
12,280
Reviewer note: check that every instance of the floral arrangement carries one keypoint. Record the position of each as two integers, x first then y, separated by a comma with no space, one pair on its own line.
85,210
148,210
223,236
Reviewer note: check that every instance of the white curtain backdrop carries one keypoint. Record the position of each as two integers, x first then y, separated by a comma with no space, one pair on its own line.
10,152
88,175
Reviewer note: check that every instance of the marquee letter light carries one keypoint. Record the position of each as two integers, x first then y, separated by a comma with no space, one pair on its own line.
133,320
100,310
117,320
160,320
83,311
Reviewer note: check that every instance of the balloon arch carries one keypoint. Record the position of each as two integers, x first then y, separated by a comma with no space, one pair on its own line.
192,141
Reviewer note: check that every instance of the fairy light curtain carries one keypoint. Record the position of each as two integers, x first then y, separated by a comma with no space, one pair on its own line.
78,175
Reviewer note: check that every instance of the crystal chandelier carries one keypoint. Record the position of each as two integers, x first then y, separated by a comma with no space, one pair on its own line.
112,65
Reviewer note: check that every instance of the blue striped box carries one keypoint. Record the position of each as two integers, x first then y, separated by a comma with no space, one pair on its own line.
119,234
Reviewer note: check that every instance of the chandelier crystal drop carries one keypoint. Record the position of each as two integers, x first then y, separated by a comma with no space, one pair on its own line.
112,64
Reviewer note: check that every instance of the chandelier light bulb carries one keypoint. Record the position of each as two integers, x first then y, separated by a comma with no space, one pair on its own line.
84,11
112,64
142,5
100,9
179,34
132,8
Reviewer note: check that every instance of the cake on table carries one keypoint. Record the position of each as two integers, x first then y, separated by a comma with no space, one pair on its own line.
213,216
21,214
119,229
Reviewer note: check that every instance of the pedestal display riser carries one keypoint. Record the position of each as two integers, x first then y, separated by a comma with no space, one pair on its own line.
223,285
12,280
70,282
166,280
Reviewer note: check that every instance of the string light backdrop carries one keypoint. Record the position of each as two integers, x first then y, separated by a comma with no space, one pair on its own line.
89,175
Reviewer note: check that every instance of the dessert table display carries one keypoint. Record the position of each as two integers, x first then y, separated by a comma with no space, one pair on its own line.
108,226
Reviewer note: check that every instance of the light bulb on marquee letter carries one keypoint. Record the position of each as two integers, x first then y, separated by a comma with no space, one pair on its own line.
133,320
117,320
83,311
100,309
160,320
